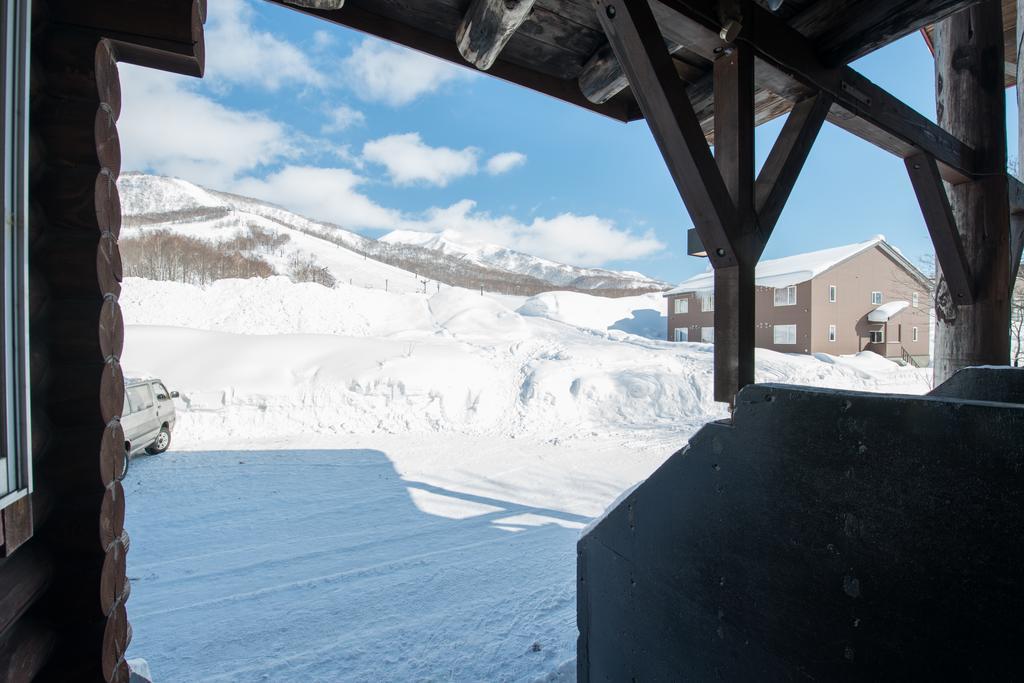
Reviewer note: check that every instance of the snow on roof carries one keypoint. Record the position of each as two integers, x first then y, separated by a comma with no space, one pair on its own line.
886,311
790,270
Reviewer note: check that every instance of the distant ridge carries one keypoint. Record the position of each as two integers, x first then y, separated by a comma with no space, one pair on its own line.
407,260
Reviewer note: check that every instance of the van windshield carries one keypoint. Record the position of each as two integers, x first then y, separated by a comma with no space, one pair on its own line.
140,397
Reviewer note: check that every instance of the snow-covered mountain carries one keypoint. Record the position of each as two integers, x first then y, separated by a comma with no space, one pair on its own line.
401,261
455,245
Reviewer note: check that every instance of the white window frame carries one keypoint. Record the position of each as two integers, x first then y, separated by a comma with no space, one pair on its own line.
876,298
707,302
913,333
681,334
784,335
914,300
707,335
785,296
681,305
833,292
15,457
876,336
831,333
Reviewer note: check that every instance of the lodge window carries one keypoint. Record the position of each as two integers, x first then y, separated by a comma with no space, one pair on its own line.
831,333
785,296
707,302
682,334
682,305
784,334
707,335
876,298
831,294
876,336
15,451
913,334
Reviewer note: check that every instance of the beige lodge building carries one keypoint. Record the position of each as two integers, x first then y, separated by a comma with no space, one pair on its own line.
857,297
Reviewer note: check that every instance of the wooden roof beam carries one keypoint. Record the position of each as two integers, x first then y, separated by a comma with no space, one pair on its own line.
860,106
487,27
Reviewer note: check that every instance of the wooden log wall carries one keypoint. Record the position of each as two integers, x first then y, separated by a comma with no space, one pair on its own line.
62,602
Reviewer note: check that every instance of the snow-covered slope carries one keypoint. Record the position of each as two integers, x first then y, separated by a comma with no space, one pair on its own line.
160,203
451,243
271,357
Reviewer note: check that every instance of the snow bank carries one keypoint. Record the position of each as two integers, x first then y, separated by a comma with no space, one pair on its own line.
357,361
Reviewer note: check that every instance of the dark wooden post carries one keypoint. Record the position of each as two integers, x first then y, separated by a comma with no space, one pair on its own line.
734,284
970,102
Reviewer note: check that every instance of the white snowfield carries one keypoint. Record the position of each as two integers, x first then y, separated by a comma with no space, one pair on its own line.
370,486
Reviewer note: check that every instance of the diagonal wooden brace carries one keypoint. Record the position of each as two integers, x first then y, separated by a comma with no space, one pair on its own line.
637,43
938,216
782,168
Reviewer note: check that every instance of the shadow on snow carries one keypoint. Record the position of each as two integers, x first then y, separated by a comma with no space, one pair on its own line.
327,565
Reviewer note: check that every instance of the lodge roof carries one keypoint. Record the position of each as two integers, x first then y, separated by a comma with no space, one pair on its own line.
792,270
550,50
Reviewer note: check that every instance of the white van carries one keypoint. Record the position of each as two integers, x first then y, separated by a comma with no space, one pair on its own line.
148,416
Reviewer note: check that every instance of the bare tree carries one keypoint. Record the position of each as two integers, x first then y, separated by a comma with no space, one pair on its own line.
304,268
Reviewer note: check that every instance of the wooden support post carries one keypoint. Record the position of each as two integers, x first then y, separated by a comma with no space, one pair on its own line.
734,285
719,192
971,106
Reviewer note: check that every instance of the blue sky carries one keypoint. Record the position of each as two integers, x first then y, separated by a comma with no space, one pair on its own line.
348,129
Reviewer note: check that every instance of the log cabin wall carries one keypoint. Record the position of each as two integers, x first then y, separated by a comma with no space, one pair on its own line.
63,591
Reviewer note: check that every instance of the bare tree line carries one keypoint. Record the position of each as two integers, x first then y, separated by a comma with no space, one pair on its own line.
166,255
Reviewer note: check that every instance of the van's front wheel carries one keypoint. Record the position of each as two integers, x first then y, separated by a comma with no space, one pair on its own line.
161,443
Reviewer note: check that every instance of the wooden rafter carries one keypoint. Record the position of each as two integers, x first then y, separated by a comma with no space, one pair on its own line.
487,27
938,217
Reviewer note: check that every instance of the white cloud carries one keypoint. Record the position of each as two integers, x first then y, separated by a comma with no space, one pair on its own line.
169,128
504,162
342,117
382,72
238,53
326,194
567,237
408,160
323,40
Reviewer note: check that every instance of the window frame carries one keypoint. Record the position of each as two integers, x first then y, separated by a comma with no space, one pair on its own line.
685,301
15,415
876,303
786,328
831,333
915,300
705,338
789,300
707,303
833,294
913,333
880,334
685,334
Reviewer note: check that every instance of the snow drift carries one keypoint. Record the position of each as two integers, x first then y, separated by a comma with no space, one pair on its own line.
269,357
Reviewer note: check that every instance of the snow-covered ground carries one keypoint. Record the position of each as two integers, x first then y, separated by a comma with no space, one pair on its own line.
374,486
